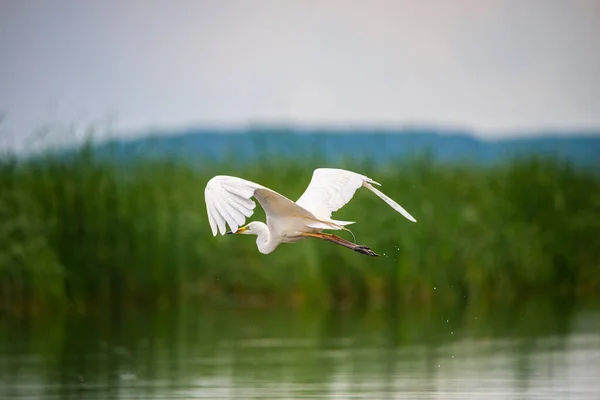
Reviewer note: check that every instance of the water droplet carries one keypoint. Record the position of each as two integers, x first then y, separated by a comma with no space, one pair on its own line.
434,288
452,356
438,365
447,320
452,333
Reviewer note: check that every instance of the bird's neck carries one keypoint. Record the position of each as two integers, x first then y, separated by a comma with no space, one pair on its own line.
265,242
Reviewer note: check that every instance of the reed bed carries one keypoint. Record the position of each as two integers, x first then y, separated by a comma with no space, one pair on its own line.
83,231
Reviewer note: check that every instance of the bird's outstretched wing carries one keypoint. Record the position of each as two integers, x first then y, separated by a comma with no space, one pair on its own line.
330,189
229,200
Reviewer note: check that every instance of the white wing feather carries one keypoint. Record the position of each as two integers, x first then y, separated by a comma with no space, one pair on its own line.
330,189
229,201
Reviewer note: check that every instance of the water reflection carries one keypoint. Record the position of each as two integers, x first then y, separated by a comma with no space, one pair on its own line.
540,349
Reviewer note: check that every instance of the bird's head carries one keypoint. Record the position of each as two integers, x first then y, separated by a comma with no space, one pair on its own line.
250,229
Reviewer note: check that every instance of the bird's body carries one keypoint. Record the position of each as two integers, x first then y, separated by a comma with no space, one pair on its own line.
228,202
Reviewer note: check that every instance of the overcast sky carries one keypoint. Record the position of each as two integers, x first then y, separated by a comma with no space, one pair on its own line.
492,65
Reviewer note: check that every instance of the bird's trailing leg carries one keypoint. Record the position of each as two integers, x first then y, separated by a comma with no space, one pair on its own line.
342,242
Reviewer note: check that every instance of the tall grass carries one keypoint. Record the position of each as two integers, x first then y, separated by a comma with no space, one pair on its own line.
84,231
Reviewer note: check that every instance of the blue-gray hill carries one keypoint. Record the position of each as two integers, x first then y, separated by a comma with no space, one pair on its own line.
581,149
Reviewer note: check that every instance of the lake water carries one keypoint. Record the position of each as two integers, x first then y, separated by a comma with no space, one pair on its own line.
544,349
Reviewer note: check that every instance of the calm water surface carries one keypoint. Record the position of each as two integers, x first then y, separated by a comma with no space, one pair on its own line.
538,350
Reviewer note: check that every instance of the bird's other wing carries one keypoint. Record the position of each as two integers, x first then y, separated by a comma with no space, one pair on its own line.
330,189
229,201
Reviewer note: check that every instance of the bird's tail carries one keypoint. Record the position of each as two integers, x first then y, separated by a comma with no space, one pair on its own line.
341,226
342,223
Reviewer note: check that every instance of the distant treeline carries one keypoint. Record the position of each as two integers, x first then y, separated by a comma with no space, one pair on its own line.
378,145
81,231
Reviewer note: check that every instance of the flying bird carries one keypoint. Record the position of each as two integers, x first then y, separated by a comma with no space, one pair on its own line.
229,200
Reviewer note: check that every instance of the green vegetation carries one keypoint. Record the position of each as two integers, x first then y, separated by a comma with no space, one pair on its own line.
85,232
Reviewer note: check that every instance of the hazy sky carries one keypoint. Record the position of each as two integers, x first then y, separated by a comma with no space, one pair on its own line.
493,65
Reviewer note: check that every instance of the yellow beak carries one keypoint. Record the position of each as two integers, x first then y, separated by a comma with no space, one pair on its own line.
242,229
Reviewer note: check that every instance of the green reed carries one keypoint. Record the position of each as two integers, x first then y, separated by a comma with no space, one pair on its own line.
84,231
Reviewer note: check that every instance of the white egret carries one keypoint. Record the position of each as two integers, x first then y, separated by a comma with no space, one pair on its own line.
228,200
